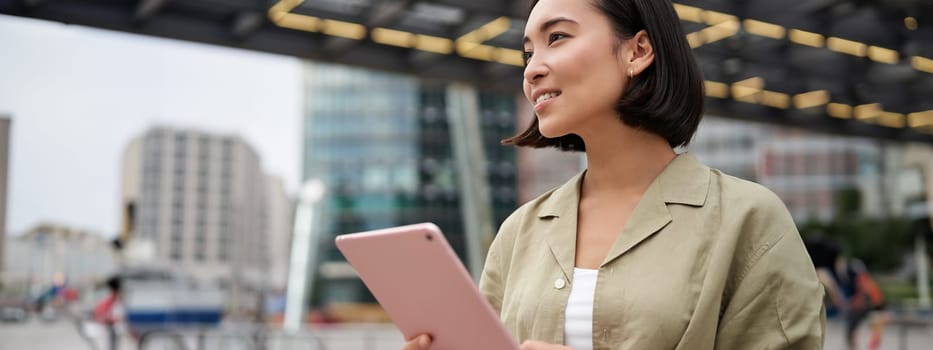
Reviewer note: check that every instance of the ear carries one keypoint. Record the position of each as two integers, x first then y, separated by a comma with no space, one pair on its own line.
642,52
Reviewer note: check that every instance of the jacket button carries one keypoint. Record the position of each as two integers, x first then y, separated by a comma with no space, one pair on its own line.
559,283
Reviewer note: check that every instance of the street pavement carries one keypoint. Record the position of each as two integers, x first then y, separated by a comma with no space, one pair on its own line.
62,334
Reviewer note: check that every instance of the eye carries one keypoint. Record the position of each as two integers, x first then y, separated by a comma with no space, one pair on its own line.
555,37
526,56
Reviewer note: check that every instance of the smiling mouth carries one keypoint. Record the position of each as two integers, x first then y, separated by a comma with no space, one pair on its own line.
547,96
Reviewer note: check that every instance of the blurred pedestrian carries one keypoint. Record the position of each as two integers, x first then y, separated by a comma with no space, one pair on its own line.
107,311
851,290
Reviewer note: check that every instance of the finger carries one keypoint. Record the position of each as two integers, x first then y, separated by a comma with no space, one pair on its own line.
420,342
424,341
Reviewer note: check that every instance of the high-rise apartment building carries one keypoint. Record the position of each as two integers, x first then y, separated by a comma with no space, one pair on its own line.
383,146
203,204
4,164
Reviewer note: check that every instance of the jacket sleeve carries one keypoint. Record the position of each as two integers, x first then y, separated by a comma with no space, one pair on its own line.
777,302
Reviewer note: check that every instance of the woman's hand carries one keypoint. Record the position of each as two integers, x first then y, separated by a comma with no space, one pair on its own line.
421,342
537,345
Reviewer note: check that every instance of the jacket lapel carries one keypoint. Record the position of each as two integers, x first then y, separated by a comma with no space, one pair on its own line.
558,218
683,181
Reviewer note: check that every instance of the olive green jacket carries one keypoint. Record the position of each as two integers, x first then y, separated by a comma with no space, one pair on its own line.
706,261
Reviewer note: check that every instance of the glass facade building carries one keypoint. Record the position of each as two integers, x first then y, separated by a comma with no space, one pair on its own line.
382,145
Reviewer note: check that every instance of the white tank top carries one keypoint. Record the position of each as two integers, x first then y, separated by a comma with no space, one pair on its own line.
578,319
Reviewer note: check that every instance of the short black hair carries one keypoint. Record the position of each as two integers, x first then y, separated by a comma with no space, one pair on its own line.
665,99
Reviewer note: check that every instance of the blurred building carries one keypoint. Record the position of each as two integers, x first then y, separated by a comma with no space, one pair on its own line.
730,145
278,212
4,164
809,171
383,145
47,249
200,202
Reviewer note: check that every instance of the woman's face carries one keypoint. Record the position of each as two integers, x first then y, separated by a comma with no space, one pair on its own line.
572,76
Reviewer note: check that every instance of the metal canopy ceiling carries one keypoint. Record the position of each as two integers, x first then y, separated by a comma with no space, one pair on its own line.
855,67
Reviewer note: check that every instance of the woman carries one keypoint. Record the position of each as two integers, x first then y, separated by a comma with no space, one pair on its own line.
646,249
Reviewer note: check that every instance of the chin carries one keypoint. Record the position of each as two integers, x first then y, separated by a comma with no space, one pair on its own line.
550,130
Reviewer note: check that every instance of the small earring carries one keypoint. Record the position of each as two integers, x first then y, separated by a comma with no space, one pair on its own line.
631,73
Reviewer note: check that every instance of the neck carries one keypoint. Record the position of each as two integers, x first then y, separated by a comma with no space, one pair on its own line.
622,160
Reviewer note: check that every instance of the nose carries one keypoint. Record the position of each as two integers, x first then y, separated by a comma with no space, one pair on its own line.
534,70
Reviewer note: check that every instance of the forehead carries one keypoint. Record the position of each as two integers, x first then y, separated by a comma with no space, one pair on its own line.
544,10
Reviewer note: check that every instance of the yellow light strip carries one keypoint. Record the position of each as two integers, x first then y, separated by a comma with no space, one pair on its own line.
393,37
775,99
868,111
839,110
299,22
811,99
721,31
281,8
922,64
883,55
478,52
689,13
892,120
850,47
716,89
748,90
434,44
765,29
487,31
806,38
510,57
920,119
344,29
714,18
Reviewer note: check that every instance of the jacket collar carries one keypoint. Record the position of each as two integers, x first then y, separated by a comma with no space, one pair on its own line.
683,181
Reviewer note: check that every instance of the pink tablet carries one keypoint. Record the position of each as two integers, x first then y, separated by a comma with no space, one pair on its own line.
423,286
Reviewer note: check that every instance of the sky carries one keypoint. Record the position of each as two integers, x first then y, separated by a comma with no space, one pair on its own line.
78,95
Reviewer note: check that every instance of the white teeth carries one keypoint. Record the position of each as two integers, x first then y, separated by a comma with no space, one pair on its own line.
547,96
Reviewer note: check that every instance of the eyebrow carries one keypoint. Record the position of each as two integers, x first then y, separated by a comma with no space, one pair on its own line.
548,24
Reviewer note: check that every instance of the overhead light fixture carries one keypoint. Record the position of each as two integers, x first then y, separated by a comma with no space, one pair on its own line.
487,31
393,37
811,99
922,64
714,18
479,52
748,90
716,89
299,22
883,55
509,56
868,111
850,47
891,120
803,37
434,44
920,119
695,40
281,8
344,29
775,99
910,23
689,13
765,29
721,31
839,110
